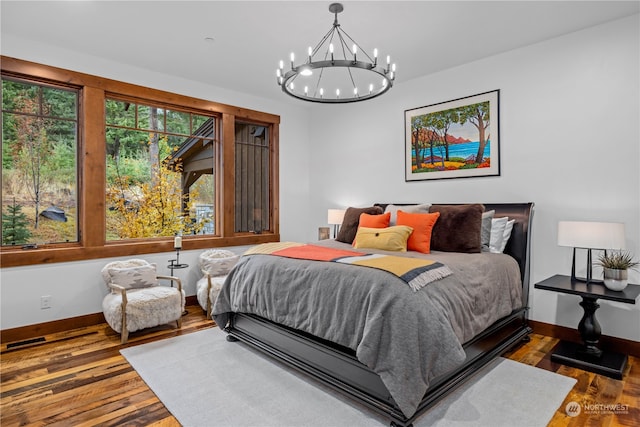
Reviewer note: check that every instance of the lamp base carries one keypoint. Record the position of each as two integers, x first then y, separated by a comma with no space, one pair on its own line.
585,280
589,278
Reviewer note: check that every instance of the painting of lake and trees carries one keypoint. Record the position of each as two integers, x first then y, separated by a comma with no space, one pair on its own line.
454,139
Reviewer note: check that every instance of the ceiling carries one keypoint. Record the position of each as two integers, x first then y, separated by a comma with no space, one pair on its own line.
238,44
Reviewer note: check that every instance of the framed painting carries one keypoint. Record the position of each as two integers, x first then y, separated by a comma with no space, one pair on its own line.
453,139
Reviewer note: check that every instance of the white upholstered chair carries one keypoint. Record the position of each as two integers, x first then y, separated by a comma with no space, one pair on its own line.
137,300
215,265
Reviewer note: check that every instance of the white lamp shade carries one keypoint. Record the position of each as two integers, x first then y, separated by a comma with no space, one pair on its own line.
591,235
335,216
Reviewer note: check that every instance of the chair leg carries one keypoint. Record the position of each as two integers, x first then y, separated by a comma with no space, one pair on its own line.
179,322
209,303
124,335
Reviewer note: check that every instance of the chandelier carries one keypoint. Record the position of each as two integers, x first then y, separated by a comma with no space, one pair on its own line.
337,70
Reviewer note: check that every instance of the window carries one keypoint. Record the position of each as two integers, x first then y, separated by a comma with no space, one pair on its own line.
252,178
39,163
129,167
160,168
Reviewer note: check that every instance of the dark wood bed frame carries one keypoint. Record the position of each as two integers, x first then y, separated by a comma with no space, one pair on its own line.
338,367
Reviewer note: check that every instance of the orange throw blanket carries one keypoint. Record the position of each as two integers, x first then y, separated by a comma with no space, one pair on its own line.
416,272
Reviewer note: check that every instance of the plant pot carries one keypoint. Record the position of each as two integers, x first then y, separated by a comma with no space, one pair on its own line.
616,280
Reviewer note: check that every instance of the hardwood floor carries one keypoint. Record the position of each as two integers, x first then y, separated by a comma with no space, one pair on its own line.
79,378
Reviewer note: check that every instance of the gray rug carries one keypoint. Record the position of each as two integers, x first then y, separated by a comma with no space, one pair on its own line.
205,381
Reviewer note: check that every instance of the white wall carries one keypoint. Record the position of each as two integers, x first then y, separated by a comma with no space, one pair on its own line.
76,288
560,101
570,138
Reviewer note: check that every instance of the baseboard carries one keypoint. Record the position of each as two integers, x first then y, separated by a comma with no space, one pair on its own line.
31,331
618,345
561,332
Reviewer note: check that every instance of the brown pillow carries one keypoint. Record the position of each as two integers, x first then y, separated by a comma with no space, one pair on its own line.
350,222
458,229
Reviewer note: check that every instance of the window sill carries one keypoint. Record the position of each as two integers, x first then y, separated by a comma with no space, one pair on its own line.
15,257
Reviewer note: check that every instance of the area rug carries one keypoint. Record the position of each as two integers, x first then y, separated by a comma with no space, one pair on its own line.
205,381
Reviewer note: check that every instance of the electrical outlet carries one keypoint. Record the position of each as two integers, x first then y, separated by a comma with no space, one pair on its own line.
45,301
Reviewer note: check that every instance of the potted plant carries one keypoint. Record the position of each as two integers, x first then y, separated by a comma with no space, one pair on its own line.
615,265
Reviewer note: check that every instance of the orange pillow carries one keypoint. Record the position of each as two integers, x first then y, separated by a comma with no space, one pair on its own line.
374,221
422,224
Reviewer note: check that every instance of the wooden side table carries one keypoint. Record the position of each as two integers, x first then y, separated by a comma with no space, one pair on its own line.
587,355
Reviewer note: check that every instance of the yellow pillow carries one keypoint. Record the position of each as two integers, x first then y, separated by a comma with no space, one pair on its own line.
389,239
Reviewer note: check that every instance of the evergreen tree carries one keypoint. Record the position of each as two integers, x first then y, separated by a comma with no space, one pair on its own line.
14,225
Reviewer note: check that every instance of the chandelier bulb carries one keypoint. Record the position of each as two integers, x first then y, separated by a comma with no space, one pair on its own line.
331,48
370,88
388,59
393,67
306,90
310,53
278,74
291,85
337,93
355,91
375,53
321,92
281,64
384,82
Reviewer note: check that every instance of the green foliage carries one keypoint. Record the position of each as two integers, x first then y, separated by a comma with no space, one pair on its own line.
617,260
128,169
14,225
39,139
154,207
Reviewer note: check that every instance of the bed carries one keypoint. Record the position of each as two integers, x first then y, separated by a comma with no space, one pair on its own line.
376,340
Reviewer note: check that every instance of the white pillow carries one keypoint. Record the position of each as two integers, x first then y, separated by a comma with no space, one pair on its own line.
141,276
498,226
507,234
485,232
423,208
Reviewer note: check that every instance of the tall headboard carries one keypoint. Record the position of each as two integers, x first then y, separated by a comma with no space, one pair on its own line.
519,245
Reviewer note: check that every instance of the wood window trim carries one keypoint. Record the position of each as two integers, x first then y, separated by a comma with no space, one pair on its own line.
92,170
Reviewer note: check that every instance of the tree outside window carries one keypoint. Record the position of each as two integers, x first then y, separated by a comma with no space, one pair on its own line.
153,189
39,163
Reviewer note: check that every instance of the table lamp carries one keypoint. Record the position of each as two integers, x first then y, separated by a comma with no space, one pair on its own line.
589,235
335,217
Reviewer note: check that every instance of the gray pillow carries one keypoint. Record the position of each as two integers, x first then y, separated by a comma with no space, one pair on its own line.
423,208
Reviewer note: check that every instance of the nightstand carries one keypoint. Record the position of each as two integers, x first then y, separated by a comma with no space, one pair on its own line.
587,355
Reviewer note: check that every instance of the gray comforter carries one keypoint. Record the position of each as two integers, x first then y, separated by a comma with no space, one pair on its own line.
408,338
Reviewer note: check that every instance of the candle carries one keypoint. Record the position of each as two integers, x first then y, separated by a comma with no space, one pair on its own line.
177,242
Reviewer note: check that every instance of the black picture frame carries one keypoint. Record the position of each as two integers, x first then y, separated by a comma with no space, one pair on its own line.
454,139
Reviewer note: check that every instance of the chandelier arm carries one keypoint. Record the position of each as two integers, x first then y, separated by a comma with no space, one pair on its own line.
324,39
353,83
343,44
315,92
360,49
